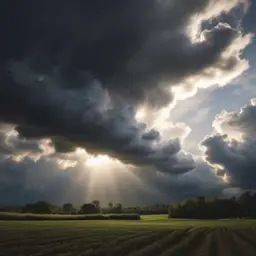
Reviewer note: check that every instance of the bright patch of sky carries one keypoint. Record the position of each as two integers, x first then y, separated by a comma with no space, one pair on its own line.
199,111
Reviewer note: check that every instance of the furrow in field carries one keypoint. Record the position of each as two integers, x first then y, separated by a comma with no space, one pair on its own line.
222,243
115,242
242,246
46,240
160,245
59,249
41,247
238,243
209,245
225,244
34,239
248,237
50,234
188,244
81,244
130,245
126,238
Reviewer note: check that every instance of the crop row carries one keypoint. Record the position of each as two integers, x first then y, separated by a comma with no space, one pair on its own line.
190,241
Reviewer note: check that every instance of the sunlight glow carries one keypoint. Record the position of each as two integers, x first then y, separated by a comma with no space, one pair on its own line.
106,177
100,161
141,114
253,102
159,119
226,179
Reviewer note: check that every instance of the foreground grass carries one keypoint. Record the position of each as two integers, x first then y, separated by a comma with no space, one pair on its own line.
152,235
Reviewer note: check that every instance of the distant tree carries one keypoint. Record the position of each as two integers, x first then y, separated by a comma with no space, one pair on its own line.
117,208
218,208
89,209
55,209
68,208
201,207
96,203
110,205
247,202
39,207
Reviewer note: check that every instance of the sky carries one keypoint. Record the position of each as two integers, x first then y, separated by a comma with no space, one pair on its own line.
138,102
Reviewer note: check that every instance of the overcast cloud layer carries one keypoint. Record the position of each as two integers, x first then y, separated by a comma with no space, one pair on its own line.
74,75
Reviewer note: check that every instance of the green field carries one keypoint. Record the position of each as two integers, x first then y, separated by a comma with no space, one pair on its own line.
152,235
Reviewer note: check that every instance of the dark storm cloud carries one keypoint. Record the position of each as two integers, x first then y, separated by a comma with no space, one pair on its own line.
128,52
151,135
237,157
27,181
133,47
88,118
199,182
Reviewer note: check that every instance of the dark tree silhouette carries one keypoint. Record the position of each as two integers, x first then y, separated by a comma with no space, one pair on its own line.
96,203
110,205
218,208
117,208
39,207
68,208
89,209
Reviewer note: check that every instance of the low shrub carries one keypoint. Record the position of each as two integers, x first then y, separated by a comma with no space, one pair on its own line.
56,217
124,217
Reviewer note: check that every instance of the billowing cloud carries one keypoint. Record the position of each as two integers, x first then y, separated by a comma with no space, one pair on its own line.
242,122
12,145
200,182
140,56
27,181
84,69
75,78
233,155
89,118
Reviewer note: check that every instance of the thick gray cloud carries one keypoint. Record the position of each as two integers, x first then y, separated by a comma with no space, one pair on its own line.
136,49
242,122
200,182
235,148
89,118
77,72
28,181
130,53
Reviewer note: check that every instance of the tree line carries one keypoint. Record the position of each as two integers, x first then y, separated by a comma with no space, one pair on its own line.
94,207
42,207
243,206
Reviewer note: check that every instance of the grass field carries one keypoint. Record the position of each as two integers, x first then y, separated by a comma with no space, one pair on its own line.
152,235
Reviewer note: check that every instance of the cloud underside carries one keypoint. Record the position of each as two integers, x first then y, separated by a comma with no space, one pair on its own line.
76,82
232,150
